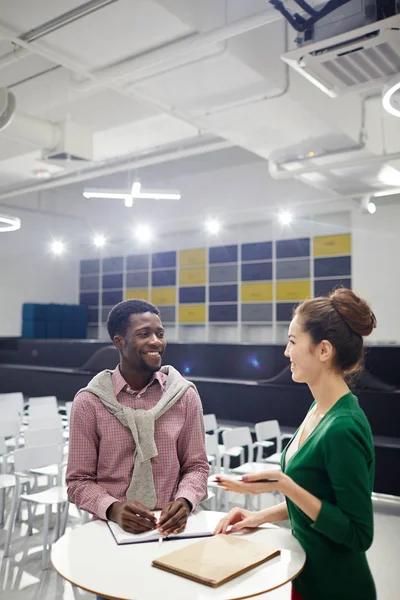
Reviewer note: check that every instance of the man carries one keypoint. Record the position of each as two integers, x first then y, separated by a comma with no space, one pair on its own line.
136,433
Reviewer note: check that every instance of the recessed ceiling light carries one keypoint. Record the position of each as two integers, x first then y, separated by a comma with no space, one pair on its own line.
57,247
143,233
42,174
99,241
285,217
213,226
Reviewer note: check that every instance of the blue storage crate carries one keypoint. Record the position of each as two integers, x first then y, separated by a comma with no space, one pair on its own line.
33,329
53,329
34,312
54,312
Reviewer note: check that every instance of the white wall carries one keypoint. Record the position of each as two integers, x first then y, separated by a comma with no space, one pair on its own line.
376,267
29,272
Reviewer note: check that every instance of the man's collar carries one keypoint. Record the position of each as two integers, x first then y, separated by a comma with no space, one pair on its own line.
119,382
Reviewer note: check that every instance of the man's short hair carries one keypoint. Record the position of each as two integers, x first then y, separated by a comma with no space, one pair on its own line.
118,317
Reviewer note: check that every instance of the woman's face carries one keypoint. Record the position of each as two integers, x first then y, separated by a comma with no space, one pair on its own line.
305,358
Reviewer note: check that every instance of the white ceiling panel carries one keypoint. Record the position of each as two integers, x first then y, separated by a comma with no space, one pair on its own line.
209,84
18,14
25,69
142,135
117,31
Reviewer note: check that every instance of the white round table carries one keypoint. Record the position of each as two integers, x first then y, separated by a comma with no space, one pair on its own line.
89,558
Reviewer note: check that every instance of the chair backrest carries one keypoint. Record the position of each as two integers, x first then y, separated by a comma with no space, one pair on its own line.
43,437
36,457
42,400
268,430
48,422
210,423
11,403
212,444
238,436
43,410
9,428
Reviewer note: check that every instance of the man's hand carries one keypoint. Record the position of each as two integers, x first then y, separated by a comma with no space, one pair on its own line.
133,517
174,516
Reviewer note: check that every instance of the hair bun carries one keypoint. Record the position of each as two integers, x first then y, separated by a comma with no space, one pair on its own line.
354,311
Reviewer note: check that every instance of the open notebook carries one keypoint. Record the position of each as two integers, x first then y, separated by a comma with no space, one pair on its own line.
216,560
198,525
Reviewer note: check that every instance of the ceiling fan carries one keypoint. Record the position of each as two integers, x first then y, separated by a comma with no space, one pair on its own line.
135,193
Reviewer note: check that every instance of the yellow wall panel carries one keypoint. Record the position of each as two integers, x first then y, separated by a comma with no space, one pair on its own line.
192,313
256,292
196,276
292,290
330,245
163,296
139,293
192,258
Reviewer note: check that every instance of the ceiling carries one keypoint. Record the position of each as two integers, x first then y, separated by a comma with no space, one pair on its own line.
178,88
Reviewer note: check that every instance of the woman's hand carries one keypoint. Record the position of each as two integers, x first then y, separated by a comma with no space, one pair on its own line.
238,518
251,484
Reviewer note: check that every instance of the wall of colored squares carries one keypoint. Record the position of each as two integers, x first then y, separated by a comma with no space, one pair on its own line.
250,283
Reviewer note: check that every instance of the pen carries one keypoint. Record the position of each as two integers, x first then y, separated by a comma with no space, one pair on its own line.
160,539
262,481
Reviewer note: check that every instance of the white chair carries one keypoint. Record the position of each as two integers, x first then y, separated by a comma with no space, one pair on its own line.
211,427
42,411
42,401
265,432
26,459
51,422
45,437
14,398
10,430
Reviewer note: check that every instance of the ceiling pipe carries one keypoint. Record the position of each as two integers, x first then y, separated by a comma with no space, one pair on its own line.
116,167
164,54
50,26
278,173
25,128
13,56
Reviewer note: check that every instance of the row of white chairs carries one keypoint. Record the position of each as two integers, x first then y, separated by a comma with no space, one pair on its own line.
32,443
237,443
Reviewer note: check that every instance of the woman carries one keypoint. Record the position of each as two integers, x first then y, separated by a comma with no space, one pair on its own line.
328,466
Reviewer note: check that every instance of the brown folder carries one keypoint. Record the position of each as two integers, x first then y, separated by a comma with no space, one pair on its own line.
216,560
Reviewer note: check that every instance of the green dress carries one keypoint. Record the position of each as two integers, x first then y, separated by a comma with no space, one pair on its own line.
335,464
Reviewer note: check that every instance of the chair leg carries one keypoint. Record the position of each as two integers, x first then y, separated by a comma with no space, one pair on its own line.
64,518
2,503
46,526
30,518
13,514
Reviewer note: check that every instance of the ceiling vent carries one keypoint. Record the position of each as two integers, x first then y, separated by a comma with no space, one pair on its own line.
353,61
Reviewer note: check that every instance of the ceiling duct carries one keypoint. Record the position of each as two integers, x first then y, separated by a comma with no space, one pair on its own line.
61,142
353,61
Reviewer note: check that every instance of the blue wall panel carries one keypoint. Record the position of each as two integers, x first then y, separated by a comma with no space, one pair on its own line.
257,251
293,248
115,264
257,271
162,260
223,293
322,287
163,278
111,298
223,313
112,281
335,265
192,295
223,254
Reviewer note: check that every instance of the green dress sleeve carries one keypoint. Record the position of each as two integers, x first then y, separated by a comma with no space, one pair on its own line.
348,455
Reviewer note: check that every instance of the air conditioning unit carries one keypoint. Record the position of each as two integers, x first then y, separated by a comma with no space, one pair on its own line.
352,61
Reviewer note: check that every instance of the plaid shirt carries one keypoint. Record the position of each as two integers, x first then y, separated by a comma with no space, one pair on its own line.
101,449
